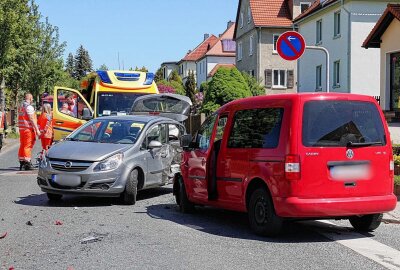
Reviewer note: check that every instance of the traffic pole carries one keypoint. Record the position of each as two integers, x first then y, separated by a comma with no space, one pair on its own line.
327,62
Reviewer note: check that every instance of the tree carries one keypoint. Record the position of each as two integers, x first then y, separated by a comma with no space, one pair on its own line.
103,67
190,86
174,76
255,87
226,85
70,65
159,75
83,63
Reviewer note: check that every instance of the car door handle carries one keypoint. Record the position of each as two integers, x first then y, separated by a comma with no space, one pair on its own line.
59,122
203,161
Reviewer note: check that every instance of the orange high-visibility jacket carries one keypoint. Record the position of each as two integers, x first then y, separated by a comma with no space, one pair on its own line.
23,118
45,125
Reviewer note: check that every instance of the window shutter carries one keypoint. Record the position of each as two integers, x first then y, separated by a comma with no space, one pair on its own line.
268,78
290,79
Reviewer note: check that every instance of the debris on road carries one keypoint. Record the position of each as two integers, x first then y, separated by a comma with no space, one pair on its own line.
58,222
29,223
3,235
95,237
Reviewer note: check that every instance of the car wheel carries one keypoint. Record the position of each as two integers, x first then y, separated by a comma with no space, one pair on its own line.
261,212
185,205
129,195
366,223
54,197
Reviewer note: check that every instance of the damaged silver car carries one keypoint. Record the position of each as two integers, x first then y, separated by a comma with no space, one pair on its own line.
116,156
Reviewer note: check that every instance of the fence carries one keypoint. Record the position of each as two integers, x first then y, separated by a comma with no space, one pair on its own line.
194,122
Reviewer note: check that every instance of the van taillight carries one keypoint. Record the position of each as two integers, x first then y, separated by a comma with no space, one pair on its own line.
292,167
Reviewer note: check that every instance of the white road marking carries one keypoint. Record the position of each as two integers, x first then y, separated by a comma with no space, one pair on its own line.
378,252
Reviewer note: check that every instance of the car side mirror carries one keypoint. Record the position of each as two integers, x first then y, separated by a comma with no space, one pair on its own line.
186,140
154,145
87,114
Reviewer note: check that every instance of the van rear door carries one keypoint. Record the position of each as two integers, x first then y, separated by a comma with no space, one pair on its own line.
344,150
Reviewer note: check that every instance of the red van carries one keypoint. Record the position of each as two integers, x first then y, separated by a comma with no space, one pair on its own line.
292,156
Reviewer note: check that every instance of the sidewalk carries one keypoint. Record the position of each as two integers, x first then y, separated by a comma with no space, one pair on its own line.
395,214
7,143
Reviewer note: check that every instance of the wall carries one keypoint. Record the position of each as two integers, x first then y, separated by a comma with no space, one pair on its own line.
271,60
208,63
248,62
390,44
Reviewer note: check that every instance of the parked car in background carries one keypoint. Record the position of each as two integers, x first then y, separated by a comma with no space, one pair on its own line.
115,156
293,156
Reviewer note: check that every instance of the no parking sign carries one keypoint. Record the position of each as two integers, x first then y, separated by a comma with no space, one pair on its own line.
291,45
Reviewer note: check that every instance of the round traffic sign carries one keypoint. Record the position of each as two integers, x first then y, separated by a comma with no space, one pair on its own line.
291,45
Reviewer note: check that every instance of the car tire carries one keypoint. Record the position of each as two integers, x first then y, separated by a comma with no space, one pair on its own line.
54,197
185,205
367,223
262,218
130,192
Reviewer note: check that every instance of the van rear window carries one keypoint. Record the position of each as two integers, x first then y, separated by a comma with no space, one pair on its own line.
256,128
342,123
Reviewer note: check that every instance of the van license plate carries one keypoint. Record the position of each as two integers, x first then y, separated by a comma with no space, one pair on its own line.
350,172
66,180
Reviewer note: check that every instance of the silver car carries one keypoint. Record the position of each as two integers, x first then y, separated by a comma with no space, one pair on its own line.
118,155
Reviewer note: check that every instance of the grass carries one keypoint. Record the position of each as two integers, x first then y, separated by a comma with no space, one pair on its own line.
12,135
397,180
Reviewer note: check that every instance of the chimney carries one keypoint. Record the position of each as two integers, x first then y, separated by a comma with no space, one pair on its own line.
206,36
230,23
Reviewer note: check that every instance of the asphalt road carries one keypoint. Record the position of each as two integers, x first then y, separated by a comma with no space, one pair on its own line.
153,234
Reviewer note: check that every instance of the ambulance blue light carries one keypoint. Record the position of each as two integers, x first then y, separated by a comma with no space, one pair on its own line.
149,78
104,76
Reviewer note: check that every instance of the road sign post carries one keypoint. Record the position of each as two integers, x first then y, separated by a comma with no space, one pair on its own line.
327,62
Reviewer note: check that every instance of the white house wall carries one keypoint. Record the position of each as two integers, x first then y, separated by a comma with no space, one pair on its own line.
365,64
208,63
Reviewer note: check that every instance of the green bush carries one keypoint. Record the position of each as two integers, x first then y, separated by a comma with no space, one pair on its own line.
397,180
396,159
227,84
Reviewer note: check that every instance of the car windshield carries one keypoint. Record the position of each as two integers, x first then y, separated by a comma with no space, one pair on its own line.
109,103
342,123
109,131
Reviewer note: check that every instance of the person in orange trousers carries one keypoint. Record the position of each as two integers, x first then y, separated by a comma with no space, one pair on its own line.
28,131
46,126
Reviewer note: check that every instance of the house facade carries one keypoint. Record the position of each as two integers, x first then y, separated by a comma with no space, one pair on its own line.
340,26
188,63
167,68
222,53
386,36
259,23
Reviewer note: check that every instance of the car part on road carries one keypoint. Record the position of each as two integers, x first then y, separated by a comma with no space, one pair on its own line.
54,197
366,223
262,217
129,195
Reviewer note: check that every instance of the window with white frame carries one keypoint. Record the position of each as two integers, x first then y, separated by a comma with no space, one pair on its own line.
248,14
239,51
318,39
251,45
241,20
336,74
275,40
304,6
336,30
279,78
318,78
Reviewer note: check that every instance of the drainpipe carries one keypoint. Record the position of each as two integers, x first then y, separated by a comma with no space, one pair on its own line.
348,45
259,55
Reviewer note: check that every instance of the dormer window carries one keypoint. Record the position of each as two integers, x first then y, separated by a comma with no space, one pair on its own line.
304,6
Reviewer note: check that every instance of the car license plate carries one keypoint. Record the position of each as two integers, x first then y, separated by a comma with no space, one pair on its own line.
350,172
66,180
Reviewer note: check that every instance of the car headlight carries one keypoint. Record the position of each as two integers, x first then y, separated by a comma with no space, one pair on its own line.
110,163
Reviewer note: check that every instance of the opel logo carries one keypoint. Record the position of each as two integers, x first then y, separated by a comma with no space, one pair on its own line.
349,154
68,164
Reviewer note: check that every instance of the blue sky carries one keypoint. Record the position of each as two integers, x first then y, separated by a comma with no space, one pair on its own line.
144,33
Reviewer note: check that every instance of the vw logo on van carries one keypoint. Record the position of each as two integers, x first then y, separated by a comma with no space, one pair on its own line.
68,164
349,154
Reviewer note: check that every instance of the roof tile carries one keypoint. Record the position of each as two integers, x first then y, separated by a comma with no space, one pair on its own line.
270,13
201,49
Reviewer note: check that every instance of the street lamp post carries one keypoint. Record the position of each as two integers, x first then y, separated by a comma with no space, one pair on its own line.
327,62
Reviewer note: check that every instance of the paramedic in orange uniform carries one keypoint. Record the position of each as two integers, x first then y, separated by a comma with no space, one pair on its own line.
28,131
45,126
